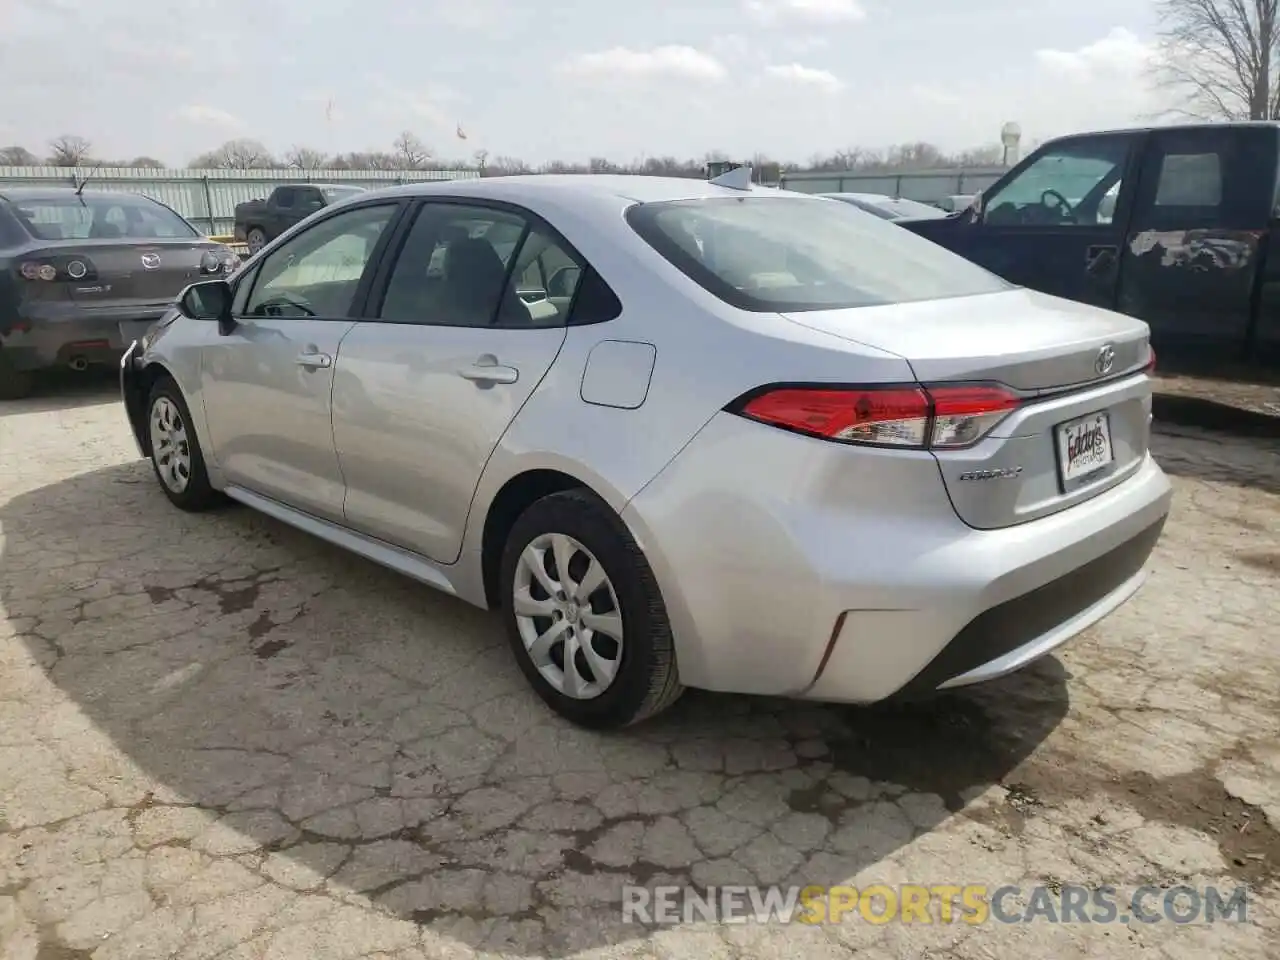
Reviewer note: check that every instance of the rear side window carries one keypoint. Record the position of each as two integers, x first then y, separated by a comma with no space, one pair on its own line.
794,254
1189,180
476,266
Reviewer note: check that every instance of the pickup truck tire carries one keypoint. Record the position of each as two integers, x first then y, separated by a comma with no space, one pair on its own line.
256,239
14,384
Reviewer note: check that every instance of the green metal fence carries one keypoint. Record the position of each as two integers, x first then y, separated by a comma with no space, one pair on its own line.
208,198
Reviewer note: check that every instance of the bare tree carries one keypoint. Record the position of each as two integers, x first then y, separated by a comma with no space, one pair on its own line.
235,155
410,151
481,157
305,158
1219,57
145,163
68,150
16,156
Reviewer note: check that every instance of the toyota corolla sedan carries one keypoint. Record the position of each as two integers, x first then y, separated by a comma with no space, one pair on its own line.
680,434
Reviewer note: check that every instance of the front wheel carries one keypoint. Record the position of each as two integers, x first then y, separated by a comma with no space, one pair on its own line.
584,614
175,450
256,240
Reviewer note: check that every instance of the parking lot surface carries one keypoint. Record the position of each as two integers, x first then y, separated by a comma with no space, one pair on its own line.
222,738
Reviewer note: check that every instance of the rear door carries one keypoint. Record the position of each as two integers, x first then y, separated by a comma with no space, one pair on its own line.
1202,210
457,338
1056,222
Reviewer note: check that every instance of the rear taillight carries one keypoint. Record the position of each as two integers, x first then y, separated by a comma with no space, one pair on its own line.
58,269
1151,361
909,417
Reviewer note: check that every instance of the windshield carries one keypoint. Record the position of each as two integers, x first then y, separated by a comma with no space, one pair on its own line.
795,254
100,218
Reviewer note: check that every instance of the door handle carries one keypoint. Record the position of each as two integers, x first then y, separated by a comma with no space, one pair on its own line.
488,370
1100,257
315,360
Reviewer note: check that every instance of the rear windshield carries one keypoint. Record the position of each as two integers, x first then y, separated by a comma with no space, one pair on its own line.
793,254
100,218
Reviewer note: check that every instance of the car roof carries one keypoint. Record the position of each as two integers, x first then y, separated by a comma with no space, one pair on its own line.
63,193
547,187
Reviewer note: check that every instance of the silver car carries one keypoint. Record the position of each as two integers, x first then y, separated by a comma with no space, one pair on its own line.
680,434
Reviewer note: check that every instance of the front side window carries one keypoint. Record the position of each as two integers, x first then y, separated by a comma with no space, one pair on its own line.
100,218
479,267
792,254
1065,186
316,273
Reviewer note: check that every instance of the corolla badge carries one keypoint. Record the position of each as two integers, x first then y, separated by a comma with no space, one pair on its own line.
1106,360
151,261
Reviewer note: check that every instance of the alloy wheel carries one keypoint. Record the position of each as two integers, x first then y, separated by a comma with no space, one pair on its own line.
567,613
170,447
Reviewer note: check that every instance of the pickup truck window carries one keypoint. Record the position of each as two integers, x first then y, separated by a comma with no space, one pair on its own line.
1063,187
284,197
1189,180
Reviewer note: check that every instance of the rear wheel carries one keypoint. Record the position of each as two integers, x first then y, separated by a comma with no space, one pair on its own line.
256,240
175,450
14,384
584,614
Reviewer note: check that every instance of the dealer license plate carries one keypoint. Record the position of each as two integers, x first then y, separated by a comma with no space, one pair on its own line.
1084,447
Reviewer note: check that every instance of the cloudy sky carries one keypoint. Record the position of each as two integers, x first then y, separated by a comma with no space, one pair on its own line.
546,79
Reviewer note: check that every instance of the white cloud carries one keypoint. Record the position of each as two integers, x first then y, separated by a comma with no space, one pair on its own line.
1121,51
669,61
409,107
805,11
208,116
936,96
823,80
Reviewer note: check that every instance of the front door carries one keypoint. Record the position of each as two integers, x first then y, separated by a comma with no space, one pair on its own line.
267,385
1056,223
472,317
1202,209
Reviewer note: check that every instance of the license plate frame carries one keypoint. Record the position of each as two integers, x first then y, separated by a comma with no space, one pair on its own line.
1070,478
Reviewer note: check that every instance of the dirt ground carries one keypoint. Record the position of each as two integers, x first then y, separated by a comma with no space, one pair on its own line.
221,738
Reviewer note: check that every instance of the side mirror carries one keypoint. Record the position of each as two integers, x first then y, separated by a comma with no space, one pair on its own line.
209,300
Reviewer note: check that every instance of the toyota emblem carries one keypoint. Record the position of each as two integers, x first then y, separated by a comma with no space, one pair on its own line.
1106,359
151,261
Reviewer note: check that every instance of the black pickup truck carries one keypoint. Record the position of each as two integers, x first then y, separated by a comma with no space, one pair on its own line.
258,222
1174,225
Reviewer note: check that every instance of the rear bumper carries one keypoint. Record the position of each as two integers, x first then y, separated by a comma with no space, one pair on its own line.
55,334
801,568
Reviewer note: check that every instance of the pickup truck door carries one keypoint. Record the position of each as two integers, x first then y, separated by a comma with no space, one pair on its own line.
1056,222
268,384
1202,209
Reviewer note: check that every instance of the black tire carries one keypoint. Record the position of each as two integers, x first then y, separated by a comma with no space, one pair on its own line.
14,384
647,681
198,495
262,240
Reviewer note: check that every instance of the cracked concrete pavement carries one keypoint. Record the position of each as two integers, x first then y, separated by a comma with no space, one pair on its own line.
222,738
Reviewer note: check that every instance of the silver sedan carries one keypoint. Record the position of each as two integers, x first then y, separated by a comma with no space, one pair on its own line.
682,434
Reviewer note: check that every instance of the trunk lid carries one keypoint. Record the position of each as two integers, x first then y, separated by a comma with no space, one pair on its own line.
1083,426
143,272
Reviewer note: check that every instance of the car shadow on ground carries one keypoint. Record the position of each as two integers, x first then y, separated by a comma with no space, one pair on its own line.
346,730
67,390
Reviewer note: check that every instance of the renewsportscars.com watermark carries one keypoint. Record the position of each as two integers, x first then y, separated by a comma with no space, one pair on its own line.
939,903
